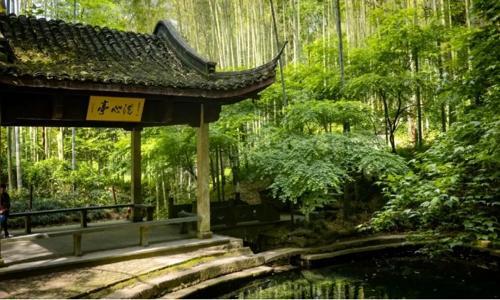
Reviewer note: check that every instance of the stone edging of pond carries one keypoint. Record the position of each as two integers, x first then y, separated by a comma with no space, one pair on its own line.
183,283
156,286
221,271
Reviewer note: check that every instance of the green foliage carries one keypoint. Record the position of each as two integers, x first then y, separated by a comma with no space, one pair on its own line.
313,116
54,178
307,169
43,174
20,203
455,184
176,146
300,168
168,153
481,82
453,187
105,13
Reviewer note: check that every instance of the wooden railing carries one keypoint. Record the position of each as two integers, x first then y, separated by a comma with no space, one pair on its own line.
147,209
144,231
229,213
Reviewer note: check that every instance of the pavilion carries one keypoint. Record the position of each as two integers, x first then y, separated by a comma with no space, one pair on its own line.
54,73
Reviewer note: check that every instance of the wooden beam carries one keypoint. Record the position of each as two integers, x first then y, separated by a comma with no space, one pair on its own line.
136,188
20,108
57,108
203,192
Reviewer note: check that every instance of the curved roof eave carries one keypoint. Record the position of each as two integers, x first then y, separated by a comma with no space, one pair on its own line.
198,80
137,90
188,55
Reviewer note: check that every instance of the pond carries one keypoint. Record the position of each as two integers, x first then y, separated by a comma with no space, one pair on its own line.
395,277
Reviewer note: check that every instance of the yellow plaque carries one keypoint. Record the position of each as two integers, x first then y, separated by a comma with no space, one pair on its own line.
118,109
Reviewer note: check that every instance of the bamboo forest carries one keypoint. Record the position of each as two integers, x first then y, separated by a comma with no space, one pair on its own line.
352,146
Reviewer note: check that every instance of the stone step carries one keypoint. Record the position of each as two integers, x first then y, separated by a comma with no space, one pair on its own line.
154,287
157,264
360,242
290,253
308,260
271,256
86,282
115,255
245,274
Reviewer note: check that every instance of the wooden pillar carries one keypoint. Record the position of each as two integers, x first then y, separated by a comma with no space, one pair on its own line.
203,167
137,211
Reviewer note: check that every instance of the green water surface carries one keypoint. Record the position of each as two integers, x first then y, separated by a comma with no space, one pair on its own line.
376,278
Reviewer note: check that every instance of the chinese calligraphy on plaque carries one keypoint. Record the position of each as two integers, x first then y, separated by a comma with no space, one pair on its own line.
103,108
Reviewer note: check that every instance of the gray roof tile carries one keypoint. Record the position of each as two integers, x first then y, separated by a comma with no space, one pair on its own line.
53,50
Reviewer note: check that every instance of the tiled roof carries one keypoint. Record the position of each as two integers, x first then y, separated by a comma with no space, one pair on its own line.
55,53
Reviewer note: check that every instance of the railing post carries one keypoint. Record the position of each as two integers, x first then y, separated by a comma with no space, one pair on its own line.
27,224
30,203
150,211
77,244
83,218
27,219
144,235
171,208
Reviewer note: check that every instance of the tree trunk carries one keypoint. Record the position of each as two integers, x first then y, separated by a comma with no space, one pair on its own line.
10,175
276,35
441,78
164,190
35,141
235,165
447,22
32,144
157,190
223,177
418,104
388,124
216,162
346,125
60,144
213,174
113,192
415,55
46,147
73,150
18,159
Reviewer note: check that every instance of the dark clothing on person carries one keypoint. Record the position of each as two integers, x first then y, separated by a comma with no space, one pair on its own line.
4,212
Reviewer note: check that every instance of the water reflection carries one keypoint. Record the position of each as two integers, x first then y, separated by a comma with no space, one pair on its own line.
293,286
376,278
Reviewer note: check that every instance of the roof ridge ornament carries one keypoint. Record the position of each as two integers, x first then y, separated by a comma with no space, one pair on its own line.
188,55
278,56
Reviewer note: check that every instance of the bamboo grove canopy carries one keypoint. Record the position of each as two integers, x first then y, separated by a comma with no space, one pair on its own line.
54,73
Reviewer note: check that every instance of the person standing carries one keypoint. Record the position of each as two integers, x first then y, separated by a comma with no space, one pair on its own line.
4,208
